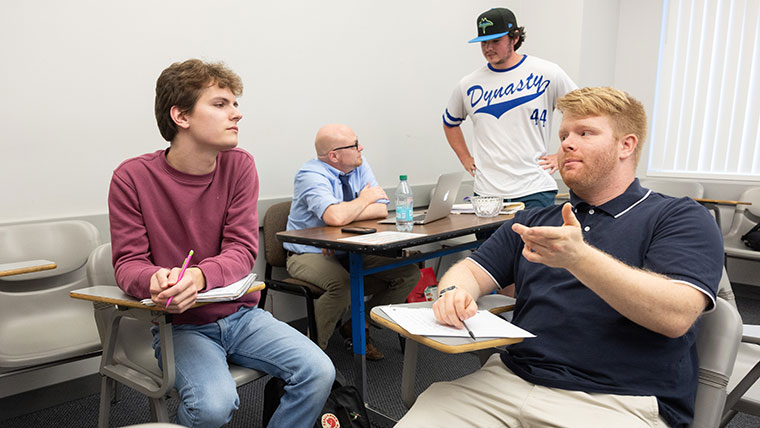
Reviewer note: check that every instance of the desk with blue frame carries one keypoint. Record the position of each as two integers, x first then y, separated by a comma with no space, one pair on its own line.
453,226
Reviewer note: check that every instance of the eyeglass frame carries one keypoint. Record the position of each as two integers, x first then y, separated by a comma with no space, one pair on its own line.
352,146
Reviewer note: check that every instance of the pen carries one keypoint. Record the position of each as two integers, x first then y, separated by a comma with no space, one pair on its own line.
468,330
182,273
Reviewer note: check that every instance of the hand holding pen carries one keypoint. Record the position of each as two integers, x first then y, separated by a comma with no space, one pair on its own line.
181,274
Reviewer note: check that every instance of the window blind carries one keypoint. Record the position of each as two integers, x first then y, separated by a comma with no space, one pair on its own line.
707,99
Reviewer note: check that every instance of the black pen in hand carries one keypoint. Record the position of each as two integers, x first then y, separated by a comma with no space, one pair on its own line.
468,330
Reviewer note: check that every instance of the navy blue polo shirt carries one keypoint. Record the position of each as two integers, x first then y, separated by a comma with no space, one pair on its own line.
581,342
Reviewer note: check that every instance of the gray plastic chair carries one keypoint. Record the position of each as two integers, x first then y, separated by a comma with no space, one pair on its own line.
679,189
675,188
745,217
717,346
38,305
744,390
128,356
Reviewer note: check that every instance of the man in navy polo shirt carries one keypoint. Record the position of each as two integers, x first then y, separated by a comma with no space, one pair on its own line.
611,285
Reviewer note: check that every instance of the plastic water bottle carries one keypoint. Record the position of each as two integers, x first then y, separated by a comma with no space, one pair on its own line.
404,206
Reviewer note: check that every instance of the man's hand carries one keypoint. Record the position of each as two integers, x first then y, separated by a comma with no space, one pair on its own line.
454,307
561,247
163,284
469,164
549,163
158,283
372,194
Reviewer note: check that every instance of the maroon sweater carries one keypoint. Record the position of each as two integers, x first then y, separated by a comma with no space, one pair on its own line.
158,214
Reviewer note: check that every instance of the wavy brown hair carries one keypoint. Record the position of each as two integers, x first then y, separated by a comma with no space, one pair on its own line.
181,85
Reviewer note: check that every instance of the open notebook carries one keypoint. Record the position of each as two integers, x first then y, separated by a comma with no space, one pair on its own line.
222,294
421,321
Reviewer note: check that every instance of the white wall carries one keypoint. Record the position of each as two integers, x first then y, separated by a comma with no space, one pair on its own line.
78,84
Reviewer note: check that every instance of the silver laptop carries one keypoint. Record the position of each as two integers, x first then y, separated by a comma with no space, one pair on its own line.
440,203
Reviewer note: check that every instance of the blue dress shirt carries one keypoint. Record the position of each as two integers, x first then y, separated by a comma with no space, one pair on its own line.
315,188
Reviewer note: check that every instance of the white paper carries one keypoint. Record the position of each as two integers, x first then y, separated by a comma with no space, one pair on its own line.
380,238
422,322
221,294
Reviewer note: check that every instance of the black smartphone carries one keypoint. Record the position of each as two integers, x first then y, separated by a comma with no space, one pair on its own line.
357,229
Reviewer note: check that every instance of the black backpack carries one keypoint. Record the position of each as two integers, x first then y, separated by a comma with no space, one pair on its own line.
752,238
344,407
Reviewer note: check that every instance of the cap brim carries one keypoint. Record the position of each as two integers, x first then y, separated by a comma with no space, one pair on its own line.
488,37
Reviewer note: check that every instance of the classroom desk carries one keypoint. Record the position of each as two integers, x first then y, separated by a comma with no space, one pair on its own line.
451,345
28,266
329,237
114,296
721,202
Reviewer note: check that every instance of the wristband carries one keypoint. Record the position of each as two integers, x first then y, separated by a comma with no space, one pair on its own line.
446,290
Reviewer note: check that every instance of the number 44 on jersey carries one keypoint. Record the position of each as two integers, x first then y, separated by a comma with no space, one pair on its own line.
536,117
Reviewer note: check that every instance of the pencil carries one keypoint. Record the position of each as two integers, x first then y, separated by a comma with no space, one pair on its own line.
181,274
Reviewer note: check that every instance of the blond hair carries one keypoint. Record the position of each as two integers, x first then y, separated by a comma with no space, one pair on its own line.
626,113
181,85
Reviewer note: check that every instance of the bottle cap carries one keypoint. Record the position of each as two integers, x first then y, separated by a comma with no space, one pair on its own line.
402,177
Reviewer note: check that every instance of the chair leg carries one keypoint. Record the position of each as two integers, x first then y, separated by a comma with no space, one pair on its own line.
106,386
408,374
158,410
116,391
311,319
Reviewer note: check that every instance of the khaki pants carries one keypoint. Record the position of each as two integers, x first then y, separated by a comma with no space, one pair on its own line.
327,273
495,397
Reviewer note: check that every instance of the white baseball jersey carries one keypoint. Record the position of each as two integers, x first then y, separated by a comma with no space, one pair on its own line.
511,111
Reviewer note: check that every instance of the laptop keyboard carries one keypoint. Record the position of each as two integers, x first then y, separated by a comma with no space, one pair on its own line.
419,217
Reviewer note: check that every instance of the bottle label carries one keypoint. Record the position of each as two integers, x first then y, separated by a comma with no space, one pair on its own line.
404,213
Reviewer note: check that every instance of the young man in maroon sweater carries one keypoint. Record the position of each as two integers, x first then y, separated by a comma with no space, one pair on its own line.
201,194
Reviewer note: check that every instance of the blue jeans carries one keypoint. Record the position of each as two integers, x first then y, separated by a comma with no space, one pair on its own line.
535,200
252,338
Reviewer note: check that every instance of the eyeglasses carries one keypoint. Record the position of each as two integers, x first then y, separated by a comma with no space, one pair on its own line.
352,146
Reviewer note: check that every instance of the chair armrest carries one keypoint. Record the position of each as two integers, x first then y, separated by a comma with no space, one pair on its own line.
278,285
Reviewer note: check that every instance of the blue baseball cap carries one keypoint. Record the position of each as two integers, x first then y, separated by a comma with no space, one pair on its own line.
495,23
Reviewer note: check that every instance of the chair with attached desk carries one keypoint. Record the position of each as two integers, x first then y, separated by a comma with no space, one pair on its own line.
36,305
495,303
128,356
745,217
717,345
276,220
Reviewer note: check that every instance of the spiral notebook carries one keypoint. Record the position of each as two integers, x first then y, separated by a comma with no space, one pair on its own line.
221,294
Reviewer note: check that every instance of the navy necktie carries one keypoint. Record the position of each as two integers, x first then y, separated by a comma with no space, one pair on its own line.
348,194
